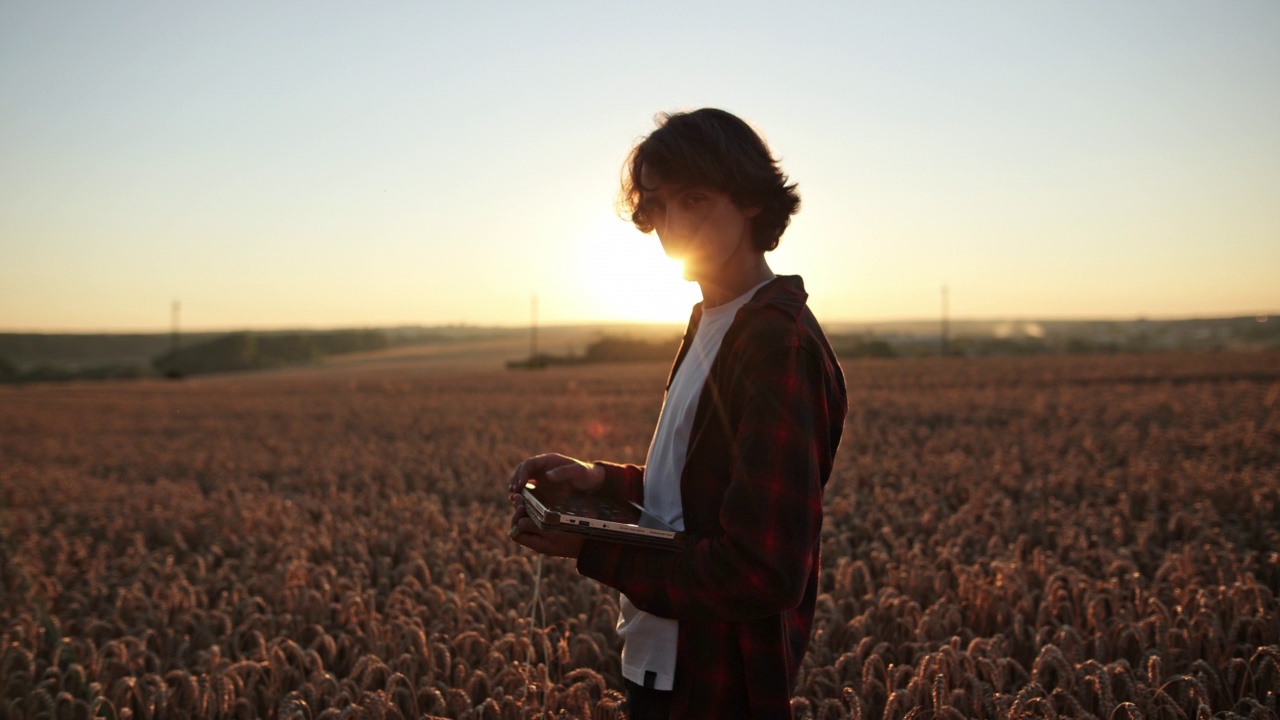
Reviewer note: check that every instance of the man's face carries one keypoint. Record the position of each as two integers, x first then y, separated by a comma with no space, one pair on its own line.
700,226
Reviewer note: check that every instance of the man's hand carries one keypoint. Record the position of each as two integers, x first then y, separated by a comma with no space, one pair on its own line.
554,468
549,468
556,544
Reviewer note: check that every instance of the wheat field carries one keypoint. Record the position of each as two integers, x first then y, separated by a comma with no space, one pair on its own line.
1004,538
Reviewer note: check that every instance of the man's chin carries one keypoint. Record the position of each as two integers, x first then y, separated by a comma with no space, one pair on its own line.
689,269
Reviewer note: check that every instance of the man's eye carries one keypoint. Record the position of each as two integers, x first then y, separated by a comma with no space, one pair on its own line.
695,199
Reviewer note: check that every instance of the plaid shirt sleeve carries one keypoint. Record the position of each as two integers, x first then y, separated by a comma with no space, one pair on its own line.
770,513
623,482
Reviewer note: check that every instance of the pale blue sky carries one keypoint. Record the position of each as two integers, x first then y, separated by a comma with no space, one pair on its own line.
323,164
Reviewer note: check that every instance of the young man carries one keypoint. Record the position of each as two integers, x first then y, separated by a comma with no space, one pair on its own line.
754,409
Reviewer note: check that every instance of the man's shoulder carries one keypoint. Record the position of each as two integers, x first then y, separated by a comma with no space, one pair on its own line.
777,317
777,335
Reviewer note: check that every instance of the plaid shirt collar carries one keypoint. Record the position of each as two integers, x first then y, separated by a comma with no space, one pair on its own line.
786,292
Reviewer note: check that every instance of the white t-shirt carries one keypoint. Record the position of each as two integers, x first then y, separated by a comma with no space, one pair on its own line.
649,641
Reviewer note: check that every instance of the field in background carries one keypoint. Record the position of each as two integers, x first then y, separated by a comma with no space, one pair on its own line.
37,357
1009,537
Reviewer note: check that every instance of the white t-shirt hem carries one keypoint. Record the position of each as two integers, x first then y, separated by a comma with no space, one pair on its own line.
662,681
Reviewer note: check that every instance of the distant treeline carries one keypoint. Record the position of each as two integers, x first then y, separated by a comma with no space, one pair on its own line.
859,346
43,357
49,372
36,357
1062,338
612,349
213,353
76,351
849,346
252,351
871,346
608,349
1069,337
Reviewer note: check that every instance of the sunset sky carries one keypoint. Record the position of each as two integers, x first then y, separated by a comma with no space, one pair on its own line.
323,164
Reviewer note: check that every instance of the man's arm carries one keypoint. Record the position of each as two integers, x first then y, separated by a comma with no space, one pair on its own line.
622,482
771,512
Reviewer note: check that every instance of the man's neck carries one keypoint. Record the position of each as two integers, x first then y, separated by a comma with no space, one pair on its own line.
729,285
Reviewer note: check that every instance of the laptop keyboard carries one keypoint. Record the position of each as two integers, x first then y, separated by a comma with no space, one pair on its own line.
588,507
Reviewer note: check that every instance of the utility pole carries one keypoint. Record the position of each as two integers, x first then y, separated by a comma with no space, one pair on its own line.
173,333
533,327
945,322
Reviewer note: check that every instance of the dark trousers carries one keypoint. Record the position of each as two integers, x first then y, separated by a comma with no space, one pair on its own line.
646,703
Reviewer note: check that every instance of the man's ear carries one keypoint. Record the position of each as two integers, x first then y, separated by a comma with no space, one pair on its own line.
751,212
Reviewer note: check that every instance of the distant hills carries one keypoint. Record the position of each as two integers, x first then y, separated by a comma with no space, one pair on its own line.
46,357
606,349
42,357
1002,337
252,351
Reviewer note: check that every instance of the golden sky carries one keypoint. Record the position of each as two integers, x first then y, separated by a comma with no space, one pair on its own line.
325,164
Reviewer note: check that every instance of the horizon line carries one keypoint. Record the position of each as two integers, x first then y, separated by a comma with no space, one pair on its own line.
1262,316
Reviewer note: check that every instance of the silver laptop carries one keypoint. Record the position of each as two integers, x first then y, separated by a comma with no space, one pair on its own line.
559,506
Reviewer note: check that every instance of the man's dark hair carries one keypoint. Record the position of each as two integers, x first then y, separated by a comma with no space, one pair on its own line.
716,149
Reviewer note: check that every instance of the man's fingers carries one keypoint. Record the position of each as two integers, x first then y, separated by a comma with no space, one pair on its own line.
554,544
523,472
537,466
528,534
521,515
523,526
513,482
536,543
530,468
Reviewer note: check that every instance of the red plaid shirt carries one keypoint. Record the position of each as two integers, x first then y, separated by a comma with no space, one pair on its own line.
763,441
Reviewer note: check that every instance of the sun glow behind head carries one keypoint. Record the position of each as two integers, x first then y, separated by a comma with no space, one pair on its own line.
627,277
